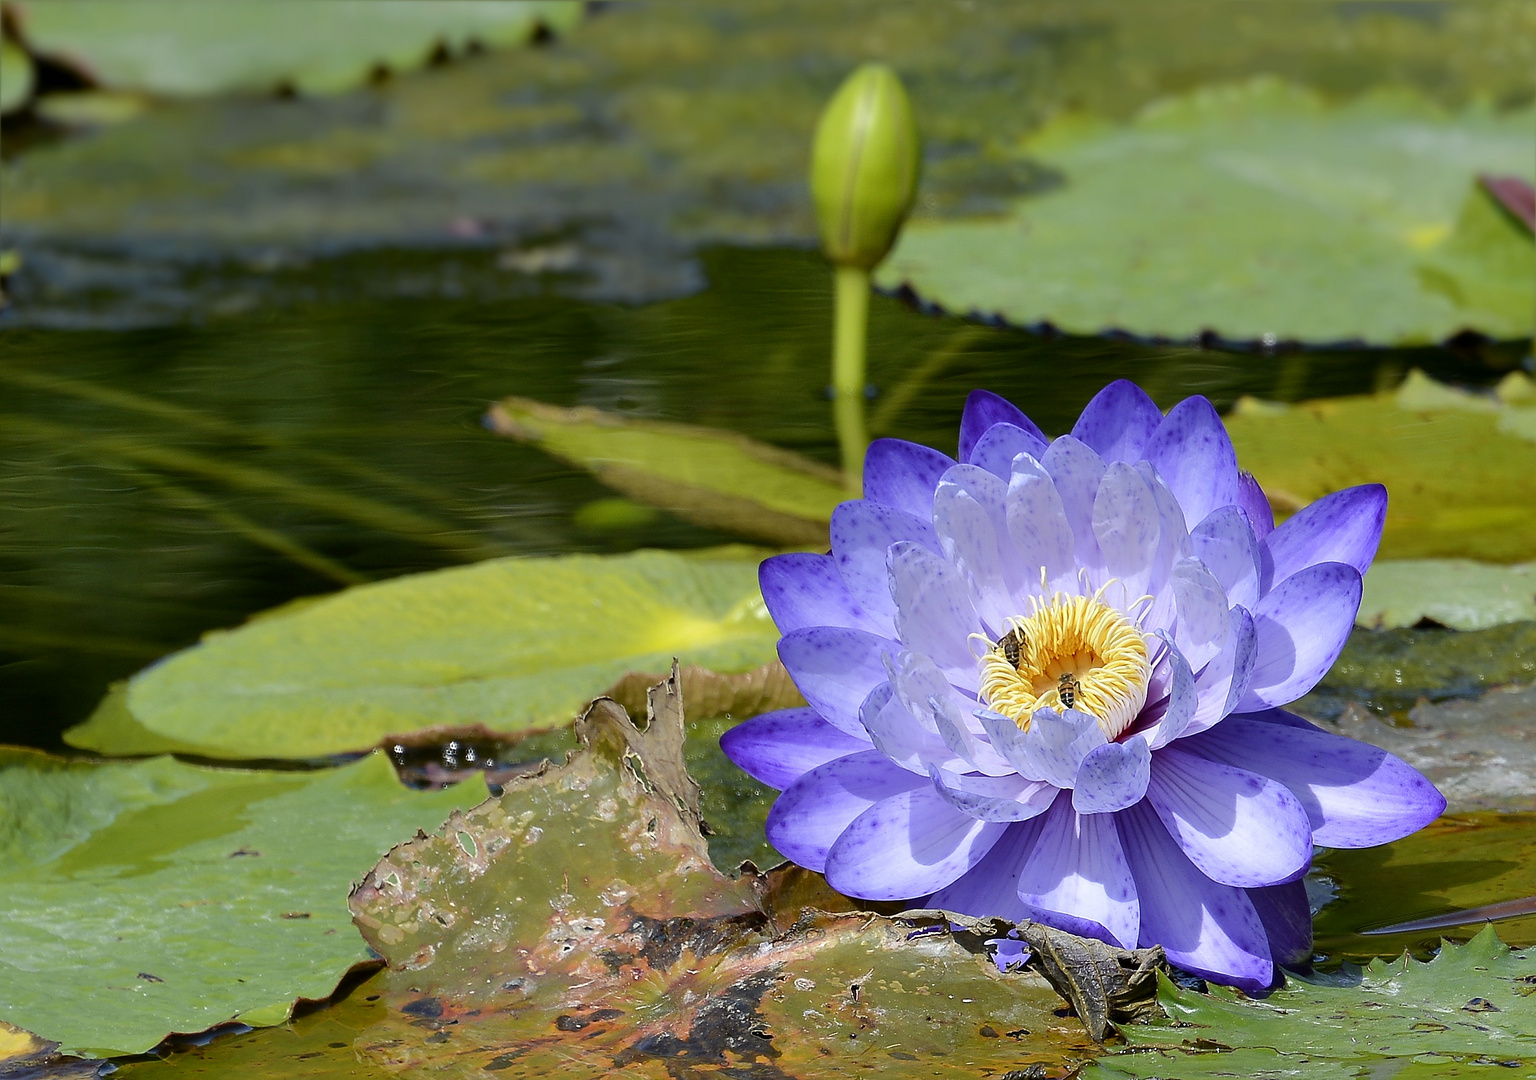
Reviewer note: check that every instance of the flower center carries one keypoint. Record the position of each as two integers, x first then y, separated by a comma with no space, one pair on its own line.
1073,652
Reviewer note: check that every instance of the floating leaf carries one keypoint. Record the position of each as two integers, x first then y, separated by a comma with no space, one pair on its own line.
1456,862
1471,1005
708,476
17,76
173,49
155,897
1420,441
639,955
1257,212
1458,593
511,644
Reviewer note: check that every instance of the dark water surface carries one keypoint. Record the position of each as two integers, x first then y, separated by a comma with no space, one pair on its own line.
158,483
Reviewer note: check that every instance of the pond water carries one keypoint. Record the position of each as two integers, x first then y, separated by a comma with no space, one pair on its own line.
163,482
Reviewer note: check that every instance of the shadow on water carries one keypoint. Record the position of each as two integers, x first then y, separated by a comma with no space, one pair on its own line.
162,482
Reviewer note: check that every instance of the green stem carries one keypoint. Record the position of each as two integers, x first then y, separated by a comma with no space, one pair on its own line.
849,331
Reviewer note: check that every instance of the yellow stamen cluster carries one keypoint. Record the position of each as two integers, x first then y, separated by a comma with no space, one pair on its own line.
1072,651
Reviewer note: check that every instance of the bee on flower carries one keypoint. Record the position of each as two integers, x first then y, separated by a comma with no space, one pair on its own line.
1046,681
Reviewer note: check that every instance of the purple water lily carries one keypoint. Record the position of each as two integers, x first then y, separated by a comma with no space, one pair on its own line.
1045,682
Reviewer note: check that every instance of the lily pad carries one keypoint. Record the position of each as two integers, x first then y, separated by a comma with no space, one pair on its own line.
145,898
510,644
17,76
710,477
174,49
640,955
1470,1005
1458,593
1459,485
1256,211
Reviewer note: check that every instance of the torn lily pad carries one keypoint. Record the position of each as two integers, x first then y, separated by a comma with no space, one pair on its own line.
637,953
513,645
151,897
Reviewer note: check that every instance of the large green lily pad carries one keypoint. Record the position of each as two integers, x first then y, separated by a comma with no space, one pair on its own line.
1256,211
1459,484
1458,593
145,898
511,645
177,49
705,475
1472,1005
638,955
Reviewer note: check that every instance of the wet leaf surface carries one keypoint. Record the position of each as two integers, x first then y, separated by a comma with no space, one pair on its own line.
1457,593
1461,861
641,956
152,897
1472,1005
513,645
248,45
1418,440
713,478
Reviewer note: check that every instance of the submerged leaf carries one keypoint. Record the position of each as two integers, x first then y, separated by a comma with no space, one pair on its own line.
704,475
1254,211
514,645
639,955
1471,1004
153,897
1422,441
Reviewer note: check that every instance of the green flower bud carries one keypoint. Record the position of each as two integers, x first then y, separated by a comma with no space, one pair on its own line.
864,167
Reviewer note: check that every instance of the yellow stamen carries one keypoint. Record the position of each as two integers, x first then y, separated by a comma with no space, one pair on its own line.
1073,652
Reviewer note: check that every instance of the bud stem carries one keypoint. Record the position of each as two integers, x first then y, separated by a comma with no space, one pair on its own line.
851,326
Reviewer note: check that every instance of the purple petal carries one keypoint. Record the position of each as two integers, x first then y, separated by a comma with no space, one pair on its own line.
1238,827
1056,743
1118,422
990,888
1287,918
1354,794
1225,543
836,668
778,748
1038,526
1001,444
1208,928
1077,472
815,810
1077,878
1182,698
1255,504
1300,627
862,533
1007,739
993,798
908,845
1344,527
968,514
903,474
1192,453
897,734
1172,546
933,610
803,589
983,409
1125,524
1203,619
1112,777
927,695
1222,682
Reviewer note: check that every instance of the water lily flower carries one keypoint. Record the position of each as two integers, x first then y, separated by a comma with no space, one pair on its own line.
1046,682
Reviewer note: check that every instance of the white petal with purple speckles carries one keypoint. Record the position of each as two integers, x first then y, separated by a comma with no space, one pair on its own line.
1112,777
1225,543
1125,524
1202,623
1000,445
908,845
1038,526
993,798
862,533
1077,471
933,610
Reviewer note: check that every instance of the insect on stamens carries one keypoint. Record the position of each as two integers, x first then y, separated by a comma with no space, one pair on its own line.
1012,646
1067,688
